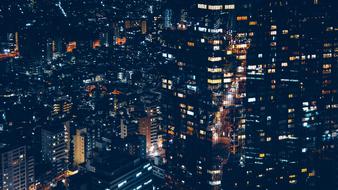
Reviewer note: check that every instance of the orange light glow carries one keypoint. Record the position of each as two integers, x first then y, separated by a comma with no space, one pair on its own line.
71,46
96,44
116,92
121,41
9,55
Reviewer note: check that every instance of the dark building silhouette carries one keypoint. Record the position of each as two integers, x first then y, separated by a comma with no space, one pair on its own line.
291,95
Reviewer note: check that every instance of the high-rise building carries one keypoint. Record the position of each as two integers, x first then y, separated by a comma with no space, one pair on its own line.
149,127
16,168
144,129
55,147
199,91
82,144
49,50
168,18
291,95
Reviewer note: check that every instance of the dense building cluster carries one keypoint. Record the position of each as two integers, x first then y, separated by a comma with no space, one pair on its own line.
168,94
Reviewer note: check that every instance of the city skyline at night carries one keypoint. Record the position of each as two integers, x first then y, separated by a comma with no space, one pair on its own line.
168,94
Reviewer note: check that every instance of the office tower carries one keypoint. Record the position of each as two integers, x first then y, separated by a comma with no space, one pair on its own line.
16,168
123,173
54,147
153,113
291,95
83,146
244,17
168,18
198,93
149,126
144,129
79,155
49,50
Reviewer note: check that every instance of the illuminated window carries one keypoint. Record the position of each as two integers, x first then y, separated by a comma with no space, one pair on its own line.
180,95
241,57
295,36
327,55
241,18
251,99
216,30
252,23
285,31
271,70
191,44
227,80
240,46
215,7
215,48
292,58
326,66
202,6
290,120
214,81
190,113
231,6
327,45
215,42
214,70
311,174
214,59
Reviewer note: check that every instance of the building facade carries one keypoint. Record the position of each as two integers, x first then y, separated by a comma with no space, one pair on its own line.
199,91
16,168
291,95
